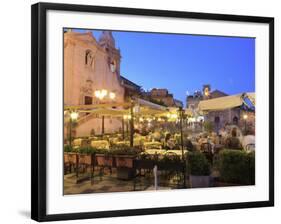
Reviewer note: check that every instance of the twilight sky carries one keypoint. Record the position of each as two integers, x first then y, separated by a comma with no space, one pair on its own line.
183,63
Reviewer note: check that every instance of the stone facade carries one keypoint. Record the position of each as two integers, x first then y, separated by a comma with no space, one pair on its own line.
220,118
163,95
224,117
233,116
91,65
192,101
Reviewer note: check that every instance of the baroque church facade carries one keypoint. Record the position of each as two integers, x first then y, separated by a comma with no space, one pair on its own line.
91,66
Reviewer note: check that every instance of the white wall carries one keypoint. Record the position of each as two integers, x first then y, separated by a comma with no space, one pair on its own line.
15,110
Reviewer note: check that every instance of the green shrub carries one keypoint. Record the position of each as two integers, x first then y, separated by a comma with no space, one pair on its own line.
86,150
68,148
237,166
197,164
102,151
171,159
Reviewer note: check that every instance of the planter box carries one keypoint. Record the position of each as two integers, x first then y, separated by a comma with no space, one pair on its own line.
70,157
124,161
104,160
125,173
144,164
199,181
85,159
170,166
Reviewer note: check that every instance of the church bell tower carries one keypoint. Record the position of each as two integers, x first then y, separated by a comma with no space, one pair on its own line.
206,92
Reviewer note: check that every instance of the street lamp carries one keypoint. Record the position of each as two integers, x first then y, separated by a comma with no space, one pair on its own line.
100,95
245,117
72,118
181,131
73,115
112,95
181,113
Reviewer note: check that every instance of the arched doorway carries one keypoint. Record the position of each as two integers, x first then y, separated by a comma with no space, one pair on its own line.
217,124
235,120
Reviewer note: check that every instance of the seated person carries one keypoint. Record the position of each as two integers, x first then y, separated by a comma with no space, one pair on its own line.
233,142
169,142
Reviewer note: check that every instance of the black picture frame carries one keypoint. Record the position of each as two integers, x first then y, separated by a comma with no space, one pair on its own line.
39,122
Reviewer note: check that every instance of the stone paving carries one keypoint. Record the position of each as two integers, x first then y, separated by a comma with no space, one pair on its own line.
110,183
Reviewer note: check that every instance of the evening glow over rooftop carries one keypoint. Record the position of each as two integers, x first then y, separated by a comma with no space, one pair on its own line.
183,63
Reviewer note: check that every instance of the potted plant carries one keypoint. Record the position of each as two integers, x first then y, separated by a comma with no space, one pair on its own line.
198,169
85,155
124,158
145,161
124,155
170,162
70,158
104,157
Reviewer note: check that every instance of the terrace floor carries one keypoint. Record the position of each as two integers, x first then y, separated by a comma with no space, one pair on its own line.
110,183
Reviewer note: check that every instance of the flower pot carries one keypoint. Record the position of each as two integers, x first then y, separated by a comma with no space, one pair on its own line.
199,181
85,159
71,157
125,173
124,161
104,160
70,162
145,164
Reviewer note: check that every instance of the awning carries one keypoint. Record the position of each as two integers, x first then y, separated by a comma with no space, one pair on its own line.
107,111
223,103
149,104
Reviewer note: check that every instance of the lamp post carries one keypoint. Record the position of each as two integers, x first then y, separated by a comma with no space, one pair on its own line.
182,149
132,123
245,117
181,131
73,117
123,129
100,95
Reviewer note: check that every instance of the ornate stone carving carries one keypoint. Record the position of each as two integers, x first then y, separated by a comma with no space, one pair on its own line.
87,88
89,58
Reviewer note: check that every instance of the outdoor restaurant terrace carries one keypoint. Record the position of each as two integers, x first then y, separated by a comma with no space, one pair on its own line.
157,147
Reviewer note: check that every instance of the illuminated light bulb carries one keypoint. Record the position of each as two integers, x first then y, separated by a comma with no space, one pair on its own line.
97,93
245,116
104,92
112,95
74,115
